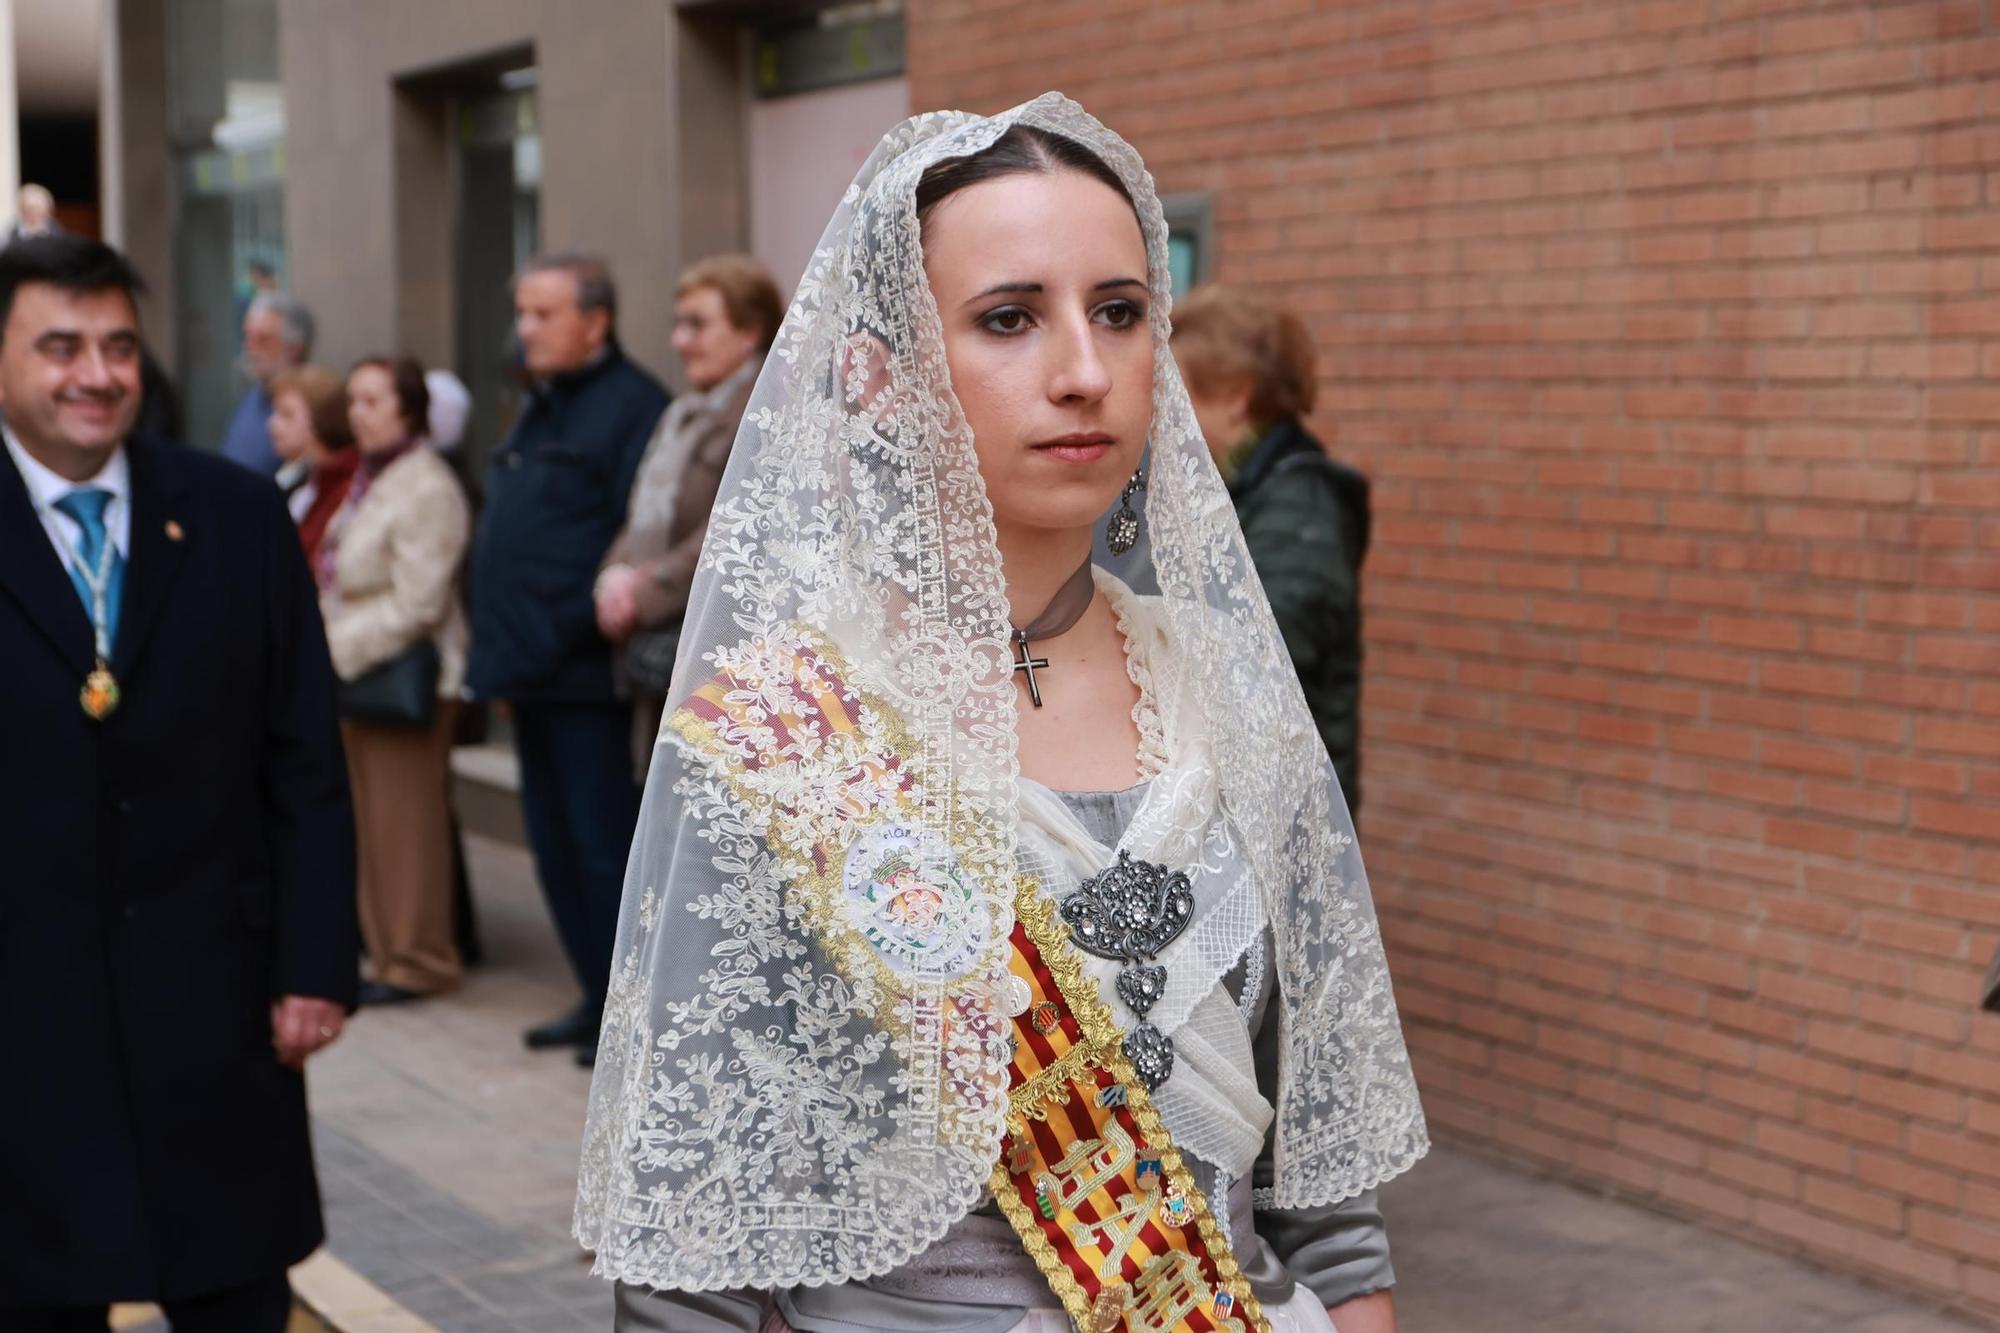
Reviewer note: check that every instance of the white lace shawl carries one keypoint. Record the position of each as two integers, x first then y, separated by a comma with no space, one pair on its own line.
801,1076
1211,1104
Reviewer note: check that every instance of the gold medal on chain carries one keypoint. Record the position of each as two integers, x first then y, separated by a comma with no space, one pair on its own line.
99,695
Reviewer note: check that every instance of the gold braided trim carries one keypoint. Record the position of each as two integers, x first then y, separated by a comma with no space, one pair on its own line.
1049,1089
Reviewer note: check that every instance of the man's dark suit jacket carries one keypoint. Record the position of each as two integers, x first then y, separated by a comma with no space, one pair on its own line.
164,875
556,496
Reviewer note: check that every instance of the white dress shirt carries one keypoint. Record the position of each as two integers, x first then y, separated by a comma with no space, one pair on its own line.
45,488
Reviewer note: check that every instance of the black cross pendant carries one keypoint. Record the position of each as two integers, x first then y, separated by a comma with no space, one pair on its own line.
1029,663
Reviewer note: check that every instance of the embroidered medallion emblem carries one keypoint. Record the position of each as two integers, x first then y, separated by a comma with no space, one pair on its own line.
903,891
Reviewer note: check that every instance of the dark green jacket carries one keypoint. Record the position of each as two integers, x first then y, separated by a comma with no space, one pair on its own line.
1305,520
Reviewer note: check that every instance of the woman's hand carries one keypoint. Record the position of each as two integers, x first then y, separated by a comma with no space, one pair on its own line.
617,601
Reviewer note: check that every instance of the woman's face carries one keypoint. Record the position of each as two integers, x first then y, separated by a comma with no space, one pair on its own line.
1040,278
373,411
290,425
709,346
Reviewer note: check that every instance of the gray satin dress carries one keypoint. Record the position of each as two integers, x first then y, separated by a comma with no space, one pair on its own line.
978,1279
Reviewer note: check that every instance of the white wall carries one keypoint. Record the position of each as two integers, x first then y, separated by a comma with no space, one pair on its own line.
804,151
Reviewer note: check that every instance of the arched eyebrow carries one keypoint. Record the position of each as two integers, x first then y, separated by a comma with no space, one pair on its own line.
1030,288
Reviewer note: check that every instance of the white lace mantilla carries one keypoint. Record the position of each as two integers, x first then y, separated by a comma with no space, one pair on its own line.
802,1069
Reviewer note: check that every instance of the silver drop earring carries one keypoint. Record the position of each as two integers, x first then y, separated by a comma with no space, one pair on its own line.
1122,533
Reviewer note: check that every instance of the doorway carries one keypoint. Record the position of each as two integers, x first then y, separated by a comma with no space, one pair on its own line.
497,169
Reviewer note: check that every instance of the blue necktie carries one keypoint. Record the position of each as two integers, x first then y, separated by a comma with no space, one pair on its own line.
87,507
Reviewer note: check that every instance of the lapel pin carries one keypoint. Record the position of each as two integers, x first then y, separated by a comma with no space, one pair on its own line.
174,531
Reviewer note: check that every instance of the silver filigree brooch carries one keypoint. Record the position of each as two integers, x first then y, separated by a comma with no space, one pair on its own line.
1129,912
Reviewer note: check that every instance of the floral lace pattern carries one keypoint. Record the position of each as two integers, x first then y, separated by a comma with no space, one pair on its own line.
1146,716
801,1073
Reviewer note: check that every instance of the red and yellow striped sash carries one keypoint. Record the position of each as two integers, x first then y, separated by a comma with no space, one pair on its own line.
1089,1177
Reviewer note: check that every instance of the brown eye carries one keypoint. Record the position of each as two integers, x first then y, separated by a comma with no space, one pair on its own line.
1006,320
1121,314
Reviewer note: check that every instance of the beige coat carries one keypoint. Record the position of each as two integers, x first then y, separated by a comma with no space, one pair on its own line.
396,566
678,480
676,487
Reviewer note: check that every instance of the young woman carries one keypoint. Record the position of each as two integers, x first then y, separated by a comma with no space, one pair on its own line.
996,953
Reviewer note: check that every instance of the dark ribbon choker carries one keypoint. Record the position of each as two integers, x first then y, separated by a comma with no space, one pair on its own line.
1062,612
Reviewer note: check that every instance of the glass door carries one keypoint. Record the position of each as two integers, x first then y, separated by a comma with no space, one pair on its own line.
228,135
499,181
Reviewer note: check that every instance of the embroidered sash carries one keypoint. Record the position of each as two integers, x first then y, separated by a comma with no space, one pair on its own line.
1088,1177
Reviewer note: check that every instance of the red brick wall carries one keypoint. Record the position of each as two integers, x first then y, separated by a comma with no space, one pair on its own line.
1670,333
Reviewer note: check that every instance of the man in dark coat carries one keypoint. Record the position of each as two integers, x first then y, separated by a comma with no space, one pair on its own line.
556,495
177,921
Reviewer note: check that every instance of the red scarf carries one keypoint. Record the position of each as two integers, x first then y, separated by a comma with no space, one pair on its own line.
331,480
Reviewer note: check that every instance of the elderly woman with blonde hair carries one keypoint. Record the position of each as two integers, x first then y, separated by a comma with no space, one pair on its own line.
1249,370
726,312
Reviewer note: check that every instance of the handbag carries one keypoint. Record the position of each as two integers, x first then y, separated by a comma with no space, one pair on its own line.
401,692
649,658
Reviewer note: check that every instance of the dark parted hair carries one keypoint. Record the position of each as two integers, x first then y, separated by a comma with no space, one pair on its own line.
1021,149
413,396
76,264
594,288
